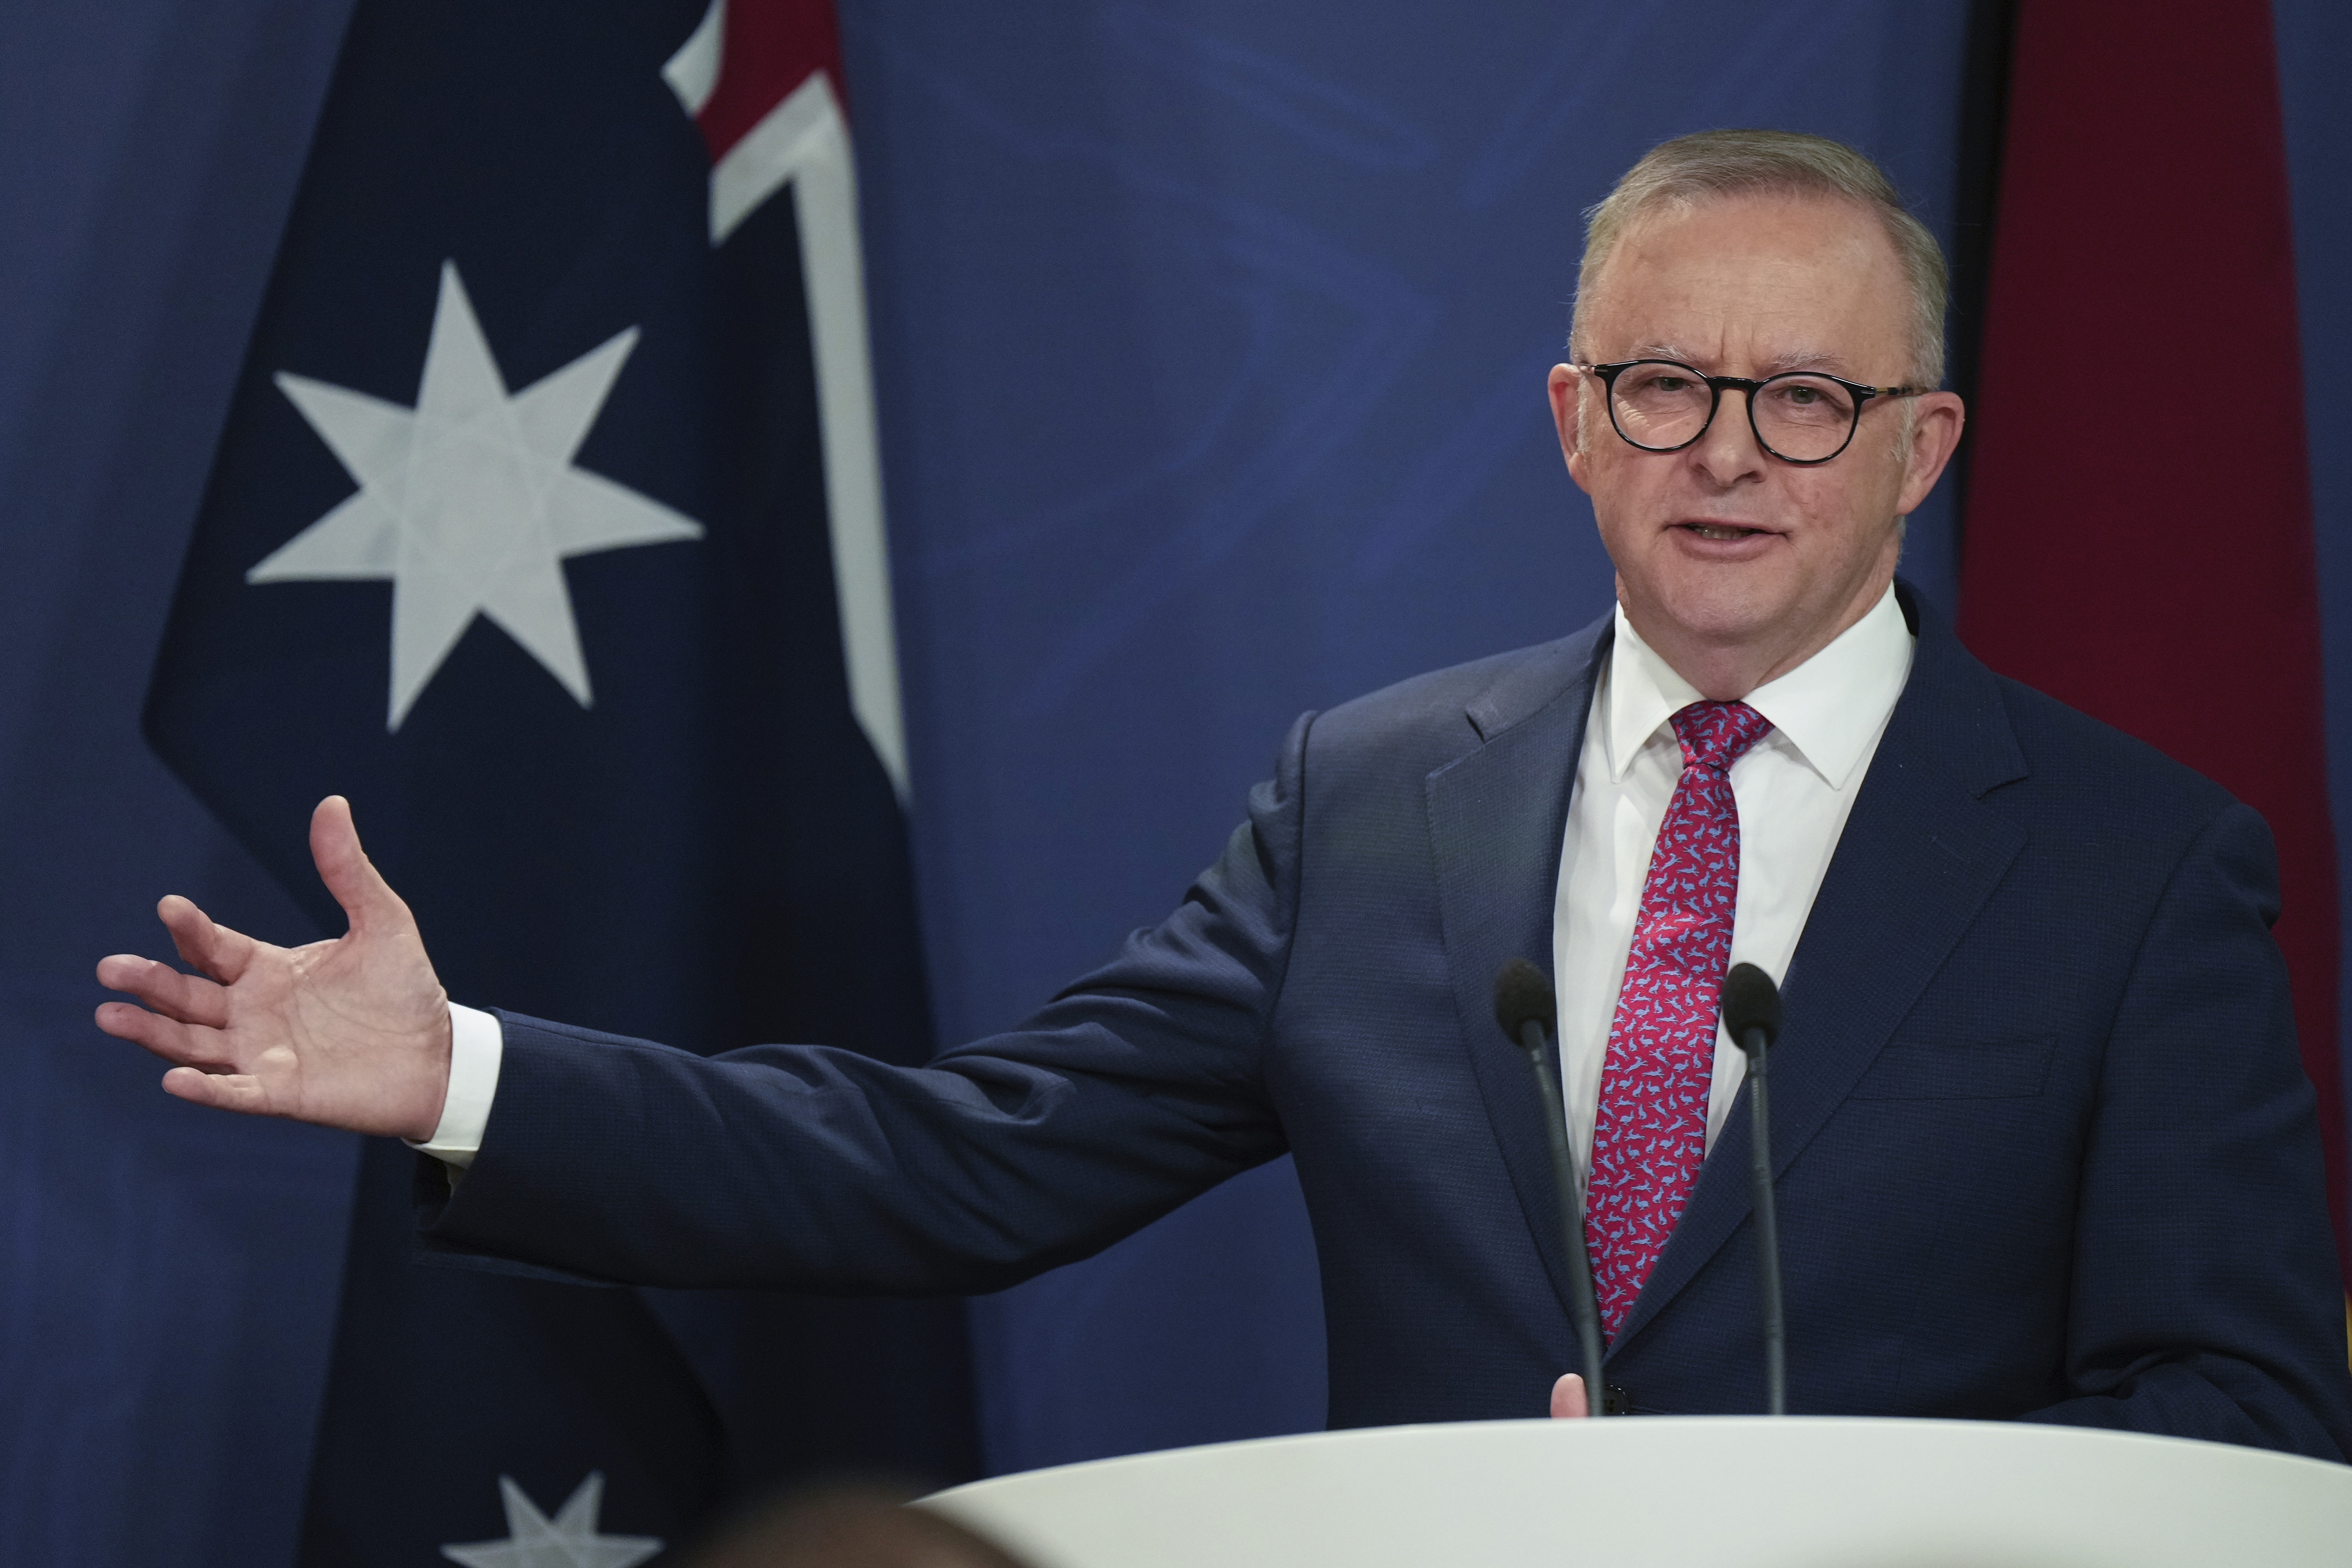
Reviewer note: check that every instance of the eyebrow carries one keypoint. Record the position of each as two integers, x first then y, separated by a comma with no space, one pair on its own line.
1807,360
1800,359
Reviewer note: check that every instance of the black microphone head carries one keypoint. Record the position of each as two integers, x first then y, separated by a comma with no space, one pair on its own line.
1750,1001
1522,996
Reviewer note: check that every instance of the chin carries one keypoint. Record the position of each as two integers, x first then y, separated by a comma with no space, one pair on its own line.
1720,608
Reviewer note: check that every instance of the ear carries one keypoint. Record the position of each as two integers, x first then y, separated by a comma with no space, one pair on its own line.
1935,435
1566,386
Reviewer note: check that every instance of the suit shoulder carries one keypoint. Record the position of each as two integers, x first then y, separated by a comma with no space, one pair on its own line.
1448,712
2073,754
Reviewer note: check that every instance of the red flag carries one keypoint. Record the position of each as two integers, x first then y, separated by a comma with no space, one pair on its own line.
2139,533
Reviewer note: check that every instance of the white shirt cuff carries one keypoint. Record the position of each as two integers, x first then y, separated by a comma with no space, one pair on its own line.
476,1046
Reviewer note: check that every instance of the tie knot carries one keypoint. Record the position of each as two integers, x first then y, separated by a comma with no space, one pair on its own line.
1717,735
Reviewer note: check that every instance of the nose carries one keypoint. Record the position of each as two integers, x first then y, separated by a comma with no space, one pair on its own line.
1728,450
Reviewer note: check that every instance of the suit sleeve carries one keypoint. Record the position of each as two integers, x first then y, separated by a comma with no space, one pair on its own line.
815,1169
2205,1300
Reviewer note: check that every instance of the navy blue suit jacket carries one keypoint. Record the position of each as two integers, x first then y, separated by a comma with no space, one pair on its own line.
2044,1143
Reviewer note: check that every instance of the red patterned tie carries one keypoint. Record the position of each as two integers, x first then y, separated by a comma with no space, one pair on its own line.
1650,1133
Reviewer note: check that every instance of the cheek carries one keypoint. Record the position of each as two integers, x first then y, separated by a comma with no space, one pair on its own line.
1848,512
1621,514
1625,493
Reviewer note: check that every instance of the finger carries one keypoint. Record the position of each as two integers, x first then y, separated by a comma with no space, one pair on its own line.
349,874
189,998
214,949
1567,1401
223,1090
187,1044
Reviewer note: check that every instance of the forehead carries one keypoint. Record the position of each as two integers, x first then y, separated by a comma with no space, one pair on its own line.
1748,281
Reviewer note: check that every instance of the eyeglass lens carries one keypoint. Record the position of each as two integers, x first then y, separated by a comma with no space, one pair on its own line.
1661,405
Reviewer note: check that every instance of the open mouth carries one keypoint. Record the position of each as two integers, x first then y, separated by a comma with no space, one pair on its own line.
1720,531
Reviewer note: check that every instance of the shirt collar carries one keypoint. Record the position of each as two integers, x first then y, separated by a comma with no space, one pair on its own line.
1828,710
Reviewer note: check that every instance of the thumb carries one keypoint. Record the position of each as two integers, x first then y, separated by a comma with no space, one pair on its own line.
1568,1400
345,869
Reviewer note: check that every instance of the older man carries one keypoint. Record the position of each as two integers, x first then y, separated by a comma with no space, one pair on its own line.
2043,1147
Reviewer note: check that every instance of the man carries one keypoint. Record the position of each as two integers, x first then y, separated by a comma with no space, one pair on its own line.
2044,1149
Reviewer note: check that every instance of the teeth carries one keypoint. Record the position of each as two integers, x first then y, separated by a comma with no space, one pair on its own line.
1707,531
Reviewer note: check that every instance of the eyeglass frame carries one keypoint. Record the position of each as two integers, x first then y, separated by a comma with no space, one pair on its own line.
1716,387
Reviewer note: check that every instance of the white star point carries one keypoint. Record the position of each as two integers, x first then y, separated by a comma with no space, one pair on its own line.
569,1539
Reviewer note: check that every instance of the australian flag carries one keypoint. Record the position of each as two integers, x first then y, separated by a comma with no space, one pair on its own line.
546,525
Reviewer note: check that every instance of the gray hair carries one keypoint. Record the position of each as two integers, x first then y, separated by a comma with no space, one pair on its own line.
1712,164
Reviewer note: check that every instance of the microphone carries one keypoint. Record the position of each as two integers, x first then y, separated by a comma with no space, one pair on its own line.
1526,1007
1751,1014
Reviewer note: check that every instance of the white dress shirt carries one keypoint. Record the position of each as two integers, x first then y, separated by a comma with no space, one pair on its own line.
1794,787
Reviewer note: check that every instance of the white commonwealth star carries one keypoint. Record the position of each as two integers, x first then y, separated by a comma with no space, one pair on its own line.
470,503
567,1540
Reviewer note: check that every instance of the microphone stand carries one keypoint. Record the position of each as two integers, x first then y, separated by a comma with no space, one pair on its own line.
1585,1306
1756,1043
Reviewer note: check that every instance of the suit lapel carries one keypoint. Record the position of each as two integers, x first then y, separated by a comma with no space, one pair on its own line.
1919,856
1496,819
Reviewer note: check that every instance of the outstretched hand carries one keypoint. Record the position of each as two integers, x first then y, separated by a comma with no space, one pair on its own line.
350,1033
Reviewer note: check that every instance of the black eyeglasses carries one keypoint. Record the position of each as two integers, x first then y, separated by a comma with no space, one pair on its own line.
1799,416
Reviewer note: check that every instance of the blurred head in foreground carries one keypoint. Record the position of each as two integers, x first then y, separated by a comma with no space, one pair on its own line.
849,1527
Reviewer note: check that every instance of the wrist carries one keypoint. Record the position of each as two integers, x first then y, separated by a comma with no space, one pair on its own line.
434,1104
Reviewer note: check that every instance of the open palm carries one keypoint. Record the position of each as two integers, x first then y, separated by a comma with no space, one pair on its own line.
351,1033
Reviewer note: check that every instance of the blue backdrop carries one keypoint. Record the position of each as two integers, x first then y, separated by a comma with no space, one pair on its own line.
1210,340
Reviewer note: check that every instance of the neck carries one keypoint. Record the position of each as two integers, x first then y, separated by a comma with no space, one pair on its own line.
1726,670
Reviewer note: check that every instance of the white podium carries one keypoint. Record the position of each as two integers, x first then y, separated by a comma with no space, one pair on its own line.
1666,1493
